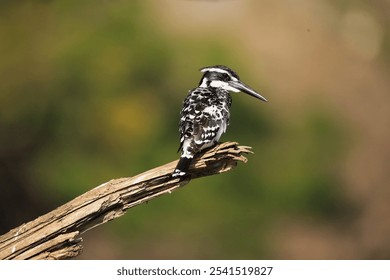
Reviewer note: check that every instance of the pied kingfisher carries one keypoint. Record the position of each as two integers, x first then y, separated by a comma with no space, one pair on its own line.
205,114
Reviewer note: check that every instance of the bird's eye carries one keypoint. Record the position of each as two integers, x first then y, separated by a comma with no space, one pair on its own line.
226,77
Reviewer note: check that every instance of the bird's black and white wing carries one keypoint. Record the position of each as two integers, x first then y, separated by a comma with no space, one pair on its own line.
203,120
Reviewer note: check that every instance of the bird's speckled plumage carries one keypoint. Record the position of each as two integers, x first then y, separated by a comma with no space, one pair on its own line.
204,117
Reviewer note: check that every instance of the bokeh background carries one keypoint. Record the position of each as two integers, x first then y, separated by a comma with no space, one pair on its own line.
91,90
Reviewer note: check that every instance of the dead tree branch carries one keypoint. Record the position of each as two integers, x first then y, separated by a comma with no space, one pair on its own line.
57,234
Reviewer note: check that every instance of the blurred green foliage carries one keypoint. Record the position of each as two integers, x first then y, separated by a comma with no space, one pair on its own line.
91,91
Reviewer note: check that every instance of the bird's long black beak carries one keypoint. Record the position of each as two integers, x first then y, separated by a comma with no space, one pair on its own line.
246,89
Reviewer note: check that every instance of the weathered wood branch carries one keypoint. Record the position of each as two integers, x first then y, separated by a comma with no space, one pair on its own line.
57,234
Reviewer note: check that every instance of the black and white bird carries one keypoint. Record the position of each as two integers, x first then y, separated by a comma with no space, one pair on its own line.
205,114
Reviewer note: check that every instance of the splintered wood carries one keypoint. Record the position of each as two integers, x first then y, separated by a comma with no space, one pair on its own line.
57,234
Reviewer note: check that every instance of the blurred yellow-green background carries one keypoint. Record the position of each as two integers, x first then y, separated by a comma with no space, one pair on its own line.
91,90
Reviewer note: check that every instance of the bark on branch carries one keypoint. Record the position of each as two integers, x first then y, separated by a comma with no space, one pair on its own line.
57,234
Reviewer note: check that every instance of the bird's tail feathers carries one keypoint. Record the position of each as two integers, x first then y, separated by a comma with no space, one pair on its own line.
182,167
